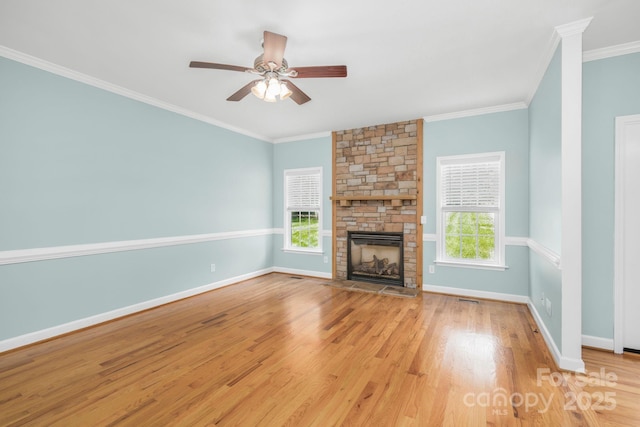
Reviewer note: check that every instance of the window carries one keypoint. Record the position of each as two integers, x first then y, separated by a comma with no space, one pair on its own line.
303,209
470,200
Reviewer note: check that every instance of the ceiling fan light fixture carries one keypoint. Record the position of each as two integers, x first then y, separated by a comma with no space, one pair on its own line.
273,87
269,97
259,89
270,89
285,92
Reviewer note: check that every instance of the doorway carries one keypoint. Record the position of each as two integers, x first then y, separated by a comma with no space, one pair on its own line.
627,234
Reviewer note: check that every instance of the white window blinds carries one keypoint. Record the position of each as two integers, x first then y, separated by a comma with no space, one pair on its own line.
303,190
474,184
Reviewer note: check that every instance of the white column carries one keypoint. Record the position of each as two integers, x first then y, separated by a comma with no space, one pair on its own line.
571,251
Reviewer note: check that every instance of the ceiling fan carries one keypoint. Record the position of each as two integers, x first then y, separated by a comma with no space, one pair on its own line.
272,67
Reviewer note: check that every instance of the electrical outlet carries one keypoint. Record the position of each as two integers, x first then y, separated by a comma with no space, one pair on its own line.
432,269
542,297
213,268
326,260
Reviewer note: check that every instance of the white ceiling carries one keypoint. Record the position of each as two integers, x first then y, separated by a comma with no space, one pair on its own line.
406,58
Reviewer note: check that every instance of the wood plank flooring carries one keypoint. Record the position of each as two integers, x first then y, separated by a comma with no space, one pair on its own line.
278,350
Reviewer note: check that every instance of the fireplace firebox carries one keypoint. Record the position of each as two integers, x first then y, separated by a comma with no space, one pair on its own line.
375,257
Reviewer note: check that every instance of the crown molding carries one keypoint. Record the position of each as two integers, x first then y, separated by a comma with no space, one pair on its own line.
101,84
611,51
476,112
302,137
543,64
559,32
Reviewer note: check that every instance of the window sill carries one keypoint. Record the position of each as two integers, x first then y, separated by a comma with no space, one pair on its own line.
303,251
495,267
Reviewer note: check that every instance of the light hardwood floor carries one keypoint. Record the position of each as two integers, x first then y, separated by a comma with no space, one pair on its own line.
278,350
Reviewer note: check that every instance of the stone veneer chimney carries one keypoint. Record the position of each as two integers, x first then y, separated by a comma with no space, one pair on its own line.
377,186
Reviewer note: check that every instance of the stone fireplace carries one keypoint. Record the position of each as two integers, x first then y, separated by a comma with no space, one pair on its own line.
377,190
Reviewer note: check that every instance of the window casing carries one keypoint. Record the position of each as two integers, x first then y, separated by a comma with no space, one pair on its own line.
470,217
303,209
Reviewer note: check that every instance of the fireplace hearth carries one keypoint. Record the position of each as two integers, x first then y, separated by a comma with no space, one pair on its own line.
375,257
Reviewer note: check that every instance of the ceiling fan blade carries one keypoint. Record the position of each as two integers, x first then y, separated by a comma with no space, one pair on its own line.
297,95
321,71
242,92
274,45
198,64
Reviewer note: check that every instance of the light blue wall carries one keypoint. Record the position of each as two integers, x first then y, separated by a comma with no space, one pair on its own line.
43,294
307,153
82,165
512,281
545,159
545,198
505,131
611,89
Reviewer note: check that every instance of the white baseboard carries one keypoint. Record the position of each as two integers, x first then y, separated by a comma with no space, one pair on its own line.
575,365
44,334
319,274
551,344
597,342
522,299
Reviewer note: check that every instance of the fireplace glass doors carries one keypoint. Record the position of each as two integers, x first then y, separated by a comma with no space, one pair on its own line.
375,257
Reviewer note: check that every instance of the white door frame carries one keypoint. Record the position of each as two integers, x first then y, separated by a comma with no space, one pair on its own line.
618,277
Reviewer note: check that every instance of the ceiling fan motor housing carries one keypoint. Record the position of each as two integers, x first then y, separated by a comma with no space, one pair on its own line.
260,66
